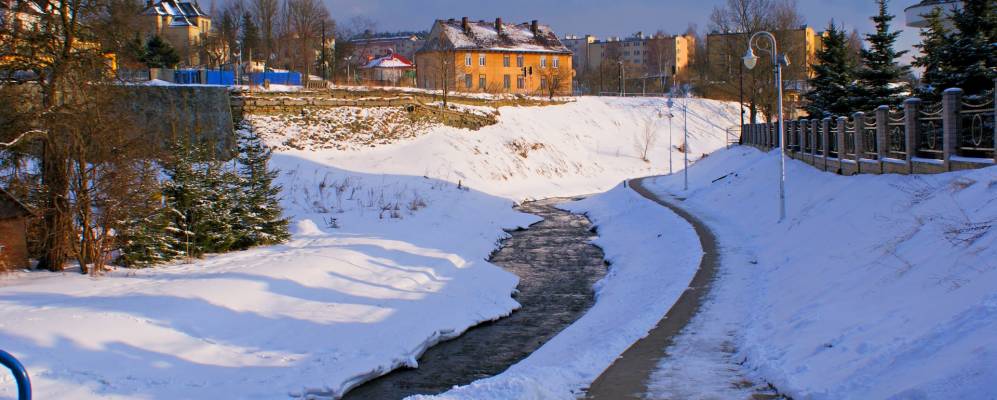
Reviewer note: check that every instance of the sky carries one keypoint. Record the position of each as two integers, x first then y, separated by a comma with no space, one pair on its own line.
600,17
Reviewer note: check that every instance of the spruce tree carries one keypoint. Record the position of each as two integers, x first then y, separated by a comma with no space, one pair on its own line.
159,54
880,72
250,37
260,217
146,234
833,73
934,49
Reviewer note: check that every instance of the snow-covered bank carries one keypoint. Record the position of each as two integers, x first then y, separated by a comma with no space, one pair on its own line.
328,309
387,257
583,147
874,287
638,290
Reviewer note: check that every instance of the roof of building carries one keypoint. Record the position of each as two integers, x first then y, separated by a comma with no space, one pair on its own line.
482,35
181,12
10,207
391,39
390,61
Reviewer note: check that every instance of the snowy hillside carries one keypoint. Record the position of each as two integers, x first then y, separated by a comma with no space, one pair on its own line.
387,258
581,147
874,287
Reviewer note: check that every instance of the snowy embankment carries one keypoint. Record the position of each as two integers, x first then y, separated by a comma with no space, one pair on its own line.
387,258
874,287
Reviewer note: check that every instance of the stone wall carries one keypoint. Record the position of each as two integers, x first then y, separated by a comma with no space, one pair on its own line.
202,114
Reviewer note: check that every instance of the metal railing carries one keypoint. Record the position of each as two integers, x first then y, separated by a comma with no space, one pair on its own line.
929,131
896,135
977,119
20,375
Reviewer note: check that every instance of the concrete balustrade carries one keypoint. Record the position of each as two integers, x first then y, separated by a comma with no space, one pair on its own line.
801,140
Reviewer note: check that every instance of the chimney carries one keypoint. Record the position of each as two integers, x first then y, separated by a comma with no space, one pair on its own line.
465,25
534,27
498,25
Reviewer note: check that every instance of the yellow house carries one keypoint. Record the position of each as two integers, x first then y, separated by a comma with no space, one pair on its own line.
183,24
494,57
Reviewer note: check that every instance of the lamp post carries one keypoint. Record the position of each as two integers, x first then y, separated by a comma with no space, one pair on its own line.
778,61
685,140
671,148
623,84
348,62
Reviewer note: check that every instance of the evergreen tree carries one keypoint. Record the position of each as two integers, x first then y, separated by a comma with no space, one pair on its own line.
880,73
934,49
250,37
260,217
833,74
964,56
147,234
159,54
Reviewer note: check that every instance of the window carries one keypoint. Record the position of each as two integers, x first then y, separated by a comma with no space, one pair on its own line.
520,82
519,60
506,62
481,59
543,61
468,81
507,82
543,83
482,82
467,59
557,61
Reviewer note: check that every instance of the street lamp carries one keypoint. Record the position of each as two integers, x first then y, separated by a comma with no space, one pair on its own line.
670,105
778,61
623,84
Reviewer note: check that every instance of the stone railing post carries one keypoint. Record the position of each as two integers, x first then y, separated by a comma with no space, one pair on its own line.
859,120
841,138
814,125
951,104
911,109
825,127
882,129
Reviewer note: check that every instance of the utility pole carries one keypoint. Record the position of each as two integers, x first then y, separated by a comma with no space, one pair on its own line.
325,77
623,84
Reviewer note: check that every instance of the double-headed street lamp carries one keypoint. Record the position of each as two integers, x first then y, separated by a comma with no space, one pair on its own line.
778,61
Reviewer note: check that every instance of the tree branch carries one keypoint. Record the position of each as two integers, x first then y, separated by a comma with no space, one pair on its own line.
24,136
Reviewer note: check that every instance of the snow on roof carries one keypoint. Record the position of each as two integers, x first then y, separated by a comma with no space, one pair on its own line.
180,11
483,35
384,39
390,61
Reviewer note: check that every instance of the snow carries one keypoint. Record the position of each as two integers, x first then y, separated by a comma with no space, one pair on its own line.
638,290
874,286
387,258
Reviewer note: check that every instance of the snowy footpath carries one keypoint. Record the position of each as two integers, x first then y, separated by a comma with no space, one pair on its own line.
387,258
874,287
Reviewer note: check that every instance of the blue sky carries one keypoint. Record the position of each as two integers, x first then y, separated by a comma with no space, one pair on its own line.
600,17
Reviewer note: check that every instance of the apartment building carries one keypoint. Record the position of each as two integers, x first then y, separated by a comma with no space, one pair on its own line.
494,57
655,55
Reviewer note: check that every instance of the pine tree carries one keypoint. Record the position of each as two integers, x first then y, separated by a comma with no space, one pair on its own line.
964,56
147,234
250,37
833,73
260,217
880,73
159,54
934,48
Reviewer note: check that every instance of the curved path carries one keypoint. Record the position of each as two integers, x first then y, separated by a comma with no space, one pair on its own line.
557,267
628,376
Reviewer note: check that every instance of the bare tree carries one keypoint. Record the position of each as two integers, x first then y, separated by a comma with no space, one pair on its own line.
306,18
555,81
645,139
266,15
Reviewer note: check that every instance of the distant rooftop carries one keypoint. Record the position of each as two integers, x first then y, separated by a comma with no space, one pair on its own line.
465,34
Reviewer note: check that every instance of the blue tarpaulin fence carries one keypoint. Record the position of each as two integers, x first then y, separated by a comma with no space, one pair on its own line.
210,77
277,78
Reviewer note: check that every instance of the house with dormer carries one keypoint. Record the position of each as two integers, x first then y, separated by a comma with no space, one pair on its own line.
494,57
183,24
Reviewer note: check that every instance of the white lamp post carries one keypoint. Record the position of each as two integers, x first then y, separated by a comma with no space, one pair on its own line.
671,148
778,61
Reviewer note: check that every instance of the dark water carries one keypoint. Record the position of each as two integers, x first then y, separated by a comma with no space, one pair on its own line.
557,268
